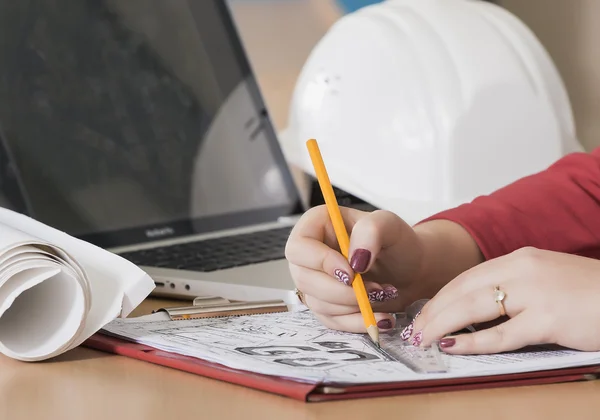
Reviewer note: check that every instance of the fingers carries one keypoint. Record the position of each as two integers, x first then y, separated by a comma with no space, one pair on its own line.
354,322
511,335
371,234
323,274
334,303
315,255
484,276
318,284
319,306
312,244
322,307
476,307
316,224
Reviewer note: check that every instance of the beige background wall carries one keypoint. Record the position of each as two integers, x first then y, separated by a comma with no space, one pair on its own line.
570,31
294,29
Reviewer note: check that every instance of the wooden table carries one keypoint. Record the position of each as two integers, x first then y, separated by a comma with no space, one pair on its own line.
86,384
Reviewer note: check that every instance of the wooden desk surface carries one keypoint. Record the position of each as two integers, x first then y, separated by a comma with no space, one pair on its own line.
91,385
86,384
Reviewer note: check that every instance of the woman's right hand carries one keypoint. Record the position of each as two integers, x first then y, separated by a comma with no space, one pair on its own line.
382,246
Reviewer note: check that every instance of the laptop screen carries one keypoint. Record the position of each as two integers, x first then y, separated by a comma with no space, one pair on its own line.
124,121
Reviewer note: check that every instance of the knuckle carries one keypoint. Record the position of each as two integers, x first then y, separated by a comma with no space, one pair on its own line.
293,268
314,304
528,258
308,218
389,220
471,305
331,261
328,321
468,342
527,253
383,213
366,227
301,278
543,335
500,332
462,285
290,248
294,272
324,308
545,331
316,212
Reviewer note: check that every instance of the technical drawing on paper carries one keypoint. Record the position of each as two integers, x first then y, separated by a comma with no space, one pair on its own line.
297,345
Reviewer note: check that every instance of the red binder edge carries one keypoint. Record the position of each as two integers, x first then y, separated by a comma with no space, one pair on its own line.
311,392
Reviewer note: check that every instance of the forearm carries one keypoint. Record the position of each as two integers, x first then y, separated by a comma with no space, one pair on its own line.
448,250
557,209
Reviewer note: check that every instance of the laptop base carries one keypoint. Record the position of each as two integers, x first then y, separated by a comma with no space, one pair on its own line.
265,281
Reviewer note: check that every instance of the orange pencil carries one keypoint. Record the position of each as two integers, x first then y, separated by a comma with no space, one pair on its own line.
342,237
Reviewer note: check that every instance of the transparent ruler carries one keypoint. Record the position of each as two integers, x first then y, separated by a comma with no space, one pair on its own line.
419,359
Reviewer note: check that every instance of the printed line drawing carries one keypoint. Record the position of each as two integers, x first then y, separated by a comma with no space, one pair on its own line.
296,345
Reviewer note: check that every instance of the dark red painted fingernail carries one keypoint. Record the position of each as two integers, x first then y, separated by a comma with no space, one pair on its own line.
447,342
360,260
407,331
390,292
416,341
384,324
342,276
376,295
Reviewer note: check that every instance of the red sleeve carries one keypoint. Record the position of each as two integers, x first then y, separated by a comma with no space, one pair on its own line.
557,209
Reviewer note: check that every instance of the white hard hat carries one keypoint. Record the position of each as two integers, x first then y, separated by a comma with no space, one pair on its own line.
421,105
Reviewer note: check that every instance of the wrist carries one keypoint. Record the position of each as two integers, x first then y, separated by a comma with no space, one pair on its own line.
447,250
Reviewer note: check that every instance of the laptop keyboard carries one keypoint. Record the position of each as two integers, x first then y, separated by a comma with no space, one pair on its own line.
217,253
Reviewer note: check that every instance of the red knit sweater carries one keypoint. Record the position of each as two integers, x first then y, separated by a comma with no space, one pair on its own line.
557,209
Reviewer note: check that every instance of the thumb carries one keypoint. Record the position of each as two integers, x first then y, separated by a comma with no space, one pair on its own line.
372,233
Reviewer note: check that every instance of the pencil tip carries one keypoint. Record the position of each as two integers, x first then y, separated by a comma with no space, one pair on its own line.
373,332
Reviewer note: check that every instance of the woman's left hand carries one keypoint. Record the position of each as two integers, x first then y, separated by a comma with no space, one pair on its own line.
550,298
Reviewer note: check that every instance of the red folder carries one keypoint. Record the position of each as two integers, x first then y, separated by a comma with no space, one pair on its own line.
311,392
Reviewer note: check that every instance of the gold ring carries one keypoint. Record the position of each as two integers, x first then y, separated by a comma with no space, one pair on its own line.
300,296
499,297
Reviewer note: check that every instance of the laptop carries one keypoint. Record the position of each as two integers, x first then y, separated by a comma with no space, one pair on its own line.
138,126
